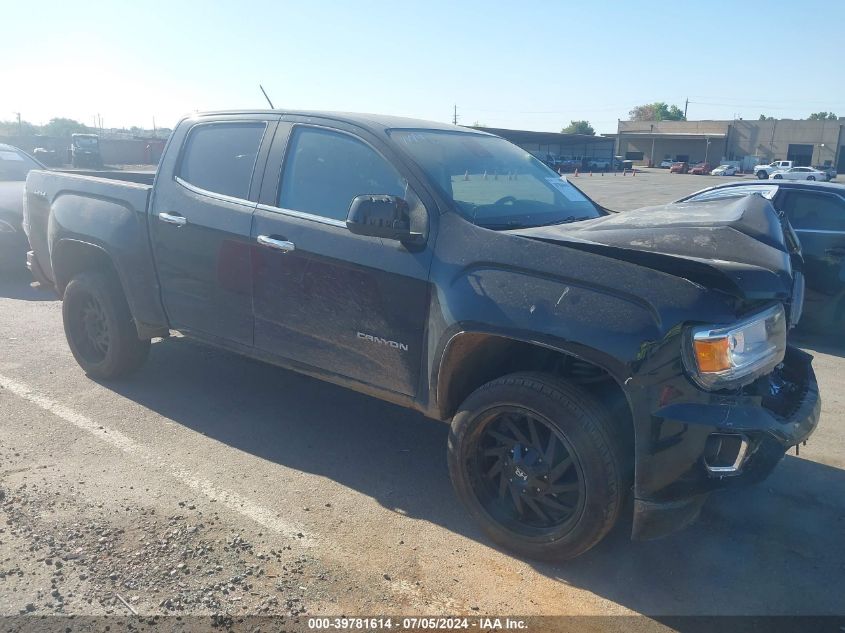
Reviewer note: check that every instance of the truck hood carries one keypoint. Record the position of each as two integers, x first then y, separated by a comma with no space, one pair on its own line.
736,246
11,197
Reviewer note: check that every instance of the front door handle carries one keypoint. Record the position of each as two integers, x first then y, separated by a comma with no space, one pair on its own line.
836,252
276,243
173,218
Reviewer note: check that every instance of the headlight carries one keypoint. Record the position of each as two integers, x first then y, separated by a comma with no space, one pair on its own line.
720,357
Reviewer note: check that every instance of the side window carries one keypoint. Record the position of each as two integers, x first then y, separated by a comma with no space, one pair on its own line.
220,157
325,170
815,211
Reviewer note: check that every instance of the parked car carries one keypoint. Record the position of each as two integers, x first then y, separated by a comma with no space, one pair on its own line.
817,213
725,170
15,164
47,156
829,170
578,353
700,169
800,173
666,163
85,150
764,171
679,168
600,163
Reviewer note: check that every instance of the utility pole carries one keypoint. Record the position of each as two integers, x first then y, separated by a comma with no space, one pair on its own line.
686,105
20,126
455,115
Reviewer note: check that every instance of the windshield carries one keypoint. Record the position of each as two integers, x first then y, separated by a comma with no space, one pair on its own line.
15,165
492,182
85,141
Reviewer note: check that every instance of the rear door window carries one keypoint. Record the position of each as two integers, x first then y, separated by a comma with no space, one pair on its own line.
220,157
813,211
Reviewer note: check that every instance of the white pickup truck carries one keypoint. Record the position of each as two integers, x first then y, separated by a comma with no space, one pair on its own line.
764,171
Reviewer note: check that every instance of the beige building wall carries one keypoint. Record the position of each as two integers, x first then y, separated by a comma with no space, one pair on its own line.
734,140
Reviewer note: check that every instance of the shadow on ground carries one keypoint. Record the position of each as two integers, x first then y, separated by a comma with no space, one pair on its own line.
777,548
18,284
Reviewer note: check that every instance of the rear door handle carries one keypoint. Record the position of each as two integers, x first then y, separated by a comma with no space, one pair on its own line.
173,218
836,252
276,243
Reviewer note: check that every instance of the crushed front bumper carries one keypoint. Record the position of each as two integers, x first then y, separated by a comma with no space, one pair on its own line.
773,414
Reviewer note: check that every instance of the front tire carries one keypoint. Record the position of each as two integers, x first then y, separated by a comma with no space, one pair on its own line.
99,326
811,177
777,177
762,175
538,464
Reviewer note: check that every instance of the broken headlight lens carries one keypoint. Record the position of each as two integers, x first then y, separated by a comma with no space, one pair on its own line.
723,357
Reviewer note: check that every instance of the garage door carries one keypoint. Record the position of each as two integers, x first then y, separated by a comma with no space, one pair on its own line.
800,155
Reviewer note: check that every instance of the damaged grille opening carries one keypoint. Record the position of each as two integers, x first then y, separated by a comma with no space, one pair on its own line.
783,390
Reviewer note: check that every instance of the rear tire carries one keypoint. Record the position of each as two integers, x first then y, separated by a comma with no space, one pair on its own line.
777,177
538,464
811,177
99,326
762,175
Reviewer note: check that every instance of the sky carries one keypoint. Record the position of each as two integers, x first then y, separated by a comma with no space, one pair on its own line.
522,65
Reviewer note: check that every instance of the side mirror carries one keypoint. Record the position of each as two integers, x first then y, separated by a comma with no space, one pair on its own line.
381,216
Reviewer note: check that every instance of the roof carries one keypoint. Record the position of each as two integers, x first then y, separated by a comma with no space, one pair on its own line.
380,121
684,135
830,187
789,184
530,136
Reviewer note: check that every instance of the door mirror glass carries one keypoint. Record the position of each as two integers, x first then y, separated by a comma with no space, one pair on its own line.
381,216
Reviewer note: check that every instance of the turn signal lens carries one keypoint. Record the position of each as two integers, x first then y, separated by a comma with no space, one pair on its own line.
713,354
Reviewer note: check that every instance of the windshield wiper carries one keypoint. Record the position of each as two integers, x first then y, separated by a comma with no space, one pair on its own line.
513,224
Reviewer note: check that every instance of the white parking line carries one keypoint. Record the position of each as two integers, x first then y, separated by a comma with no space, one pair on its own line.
115,438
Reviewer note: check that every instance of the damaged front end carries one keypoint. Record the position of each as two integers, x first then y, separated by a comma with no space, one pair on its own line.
739,397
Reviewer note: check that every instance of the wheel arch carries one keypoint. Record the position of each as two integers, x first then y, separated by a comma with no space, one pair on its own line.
471,359
70,257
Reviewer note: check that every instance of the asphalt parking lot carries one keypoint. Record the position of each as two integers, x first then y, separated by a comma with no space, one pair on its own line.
210,483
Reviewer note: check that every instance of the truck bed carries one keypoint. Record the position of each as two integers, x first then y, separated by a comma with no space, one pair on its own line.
138,177
107,211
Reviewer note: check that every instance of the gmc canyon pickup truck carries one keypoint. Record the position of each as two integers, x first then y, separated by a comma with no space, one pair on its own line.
583,357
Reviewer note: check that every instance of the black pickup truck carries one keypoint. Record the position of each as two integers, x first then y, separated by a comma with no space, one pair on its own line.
584,358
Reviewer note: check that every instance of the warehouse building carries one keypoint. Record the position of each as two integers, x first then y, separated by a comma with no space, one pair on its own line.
814,143
578,149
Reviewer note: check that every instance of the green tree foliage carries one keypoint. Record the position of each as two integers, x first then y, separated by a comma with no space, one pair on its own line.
13,128
657,111
822,116
763,117
579,127
64,127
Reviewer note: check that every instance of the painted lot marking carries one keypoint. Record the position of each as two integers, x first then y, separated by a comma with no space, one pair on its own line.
115,438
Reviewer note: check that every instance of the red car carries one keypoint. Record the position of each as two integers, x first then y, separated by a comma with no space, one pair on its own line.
702,169
679,168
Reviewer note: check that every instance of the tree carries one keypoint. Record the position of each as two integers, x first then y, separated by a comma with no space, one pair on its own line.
657,111
822,116
579,127
64,127
763,117
13,128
